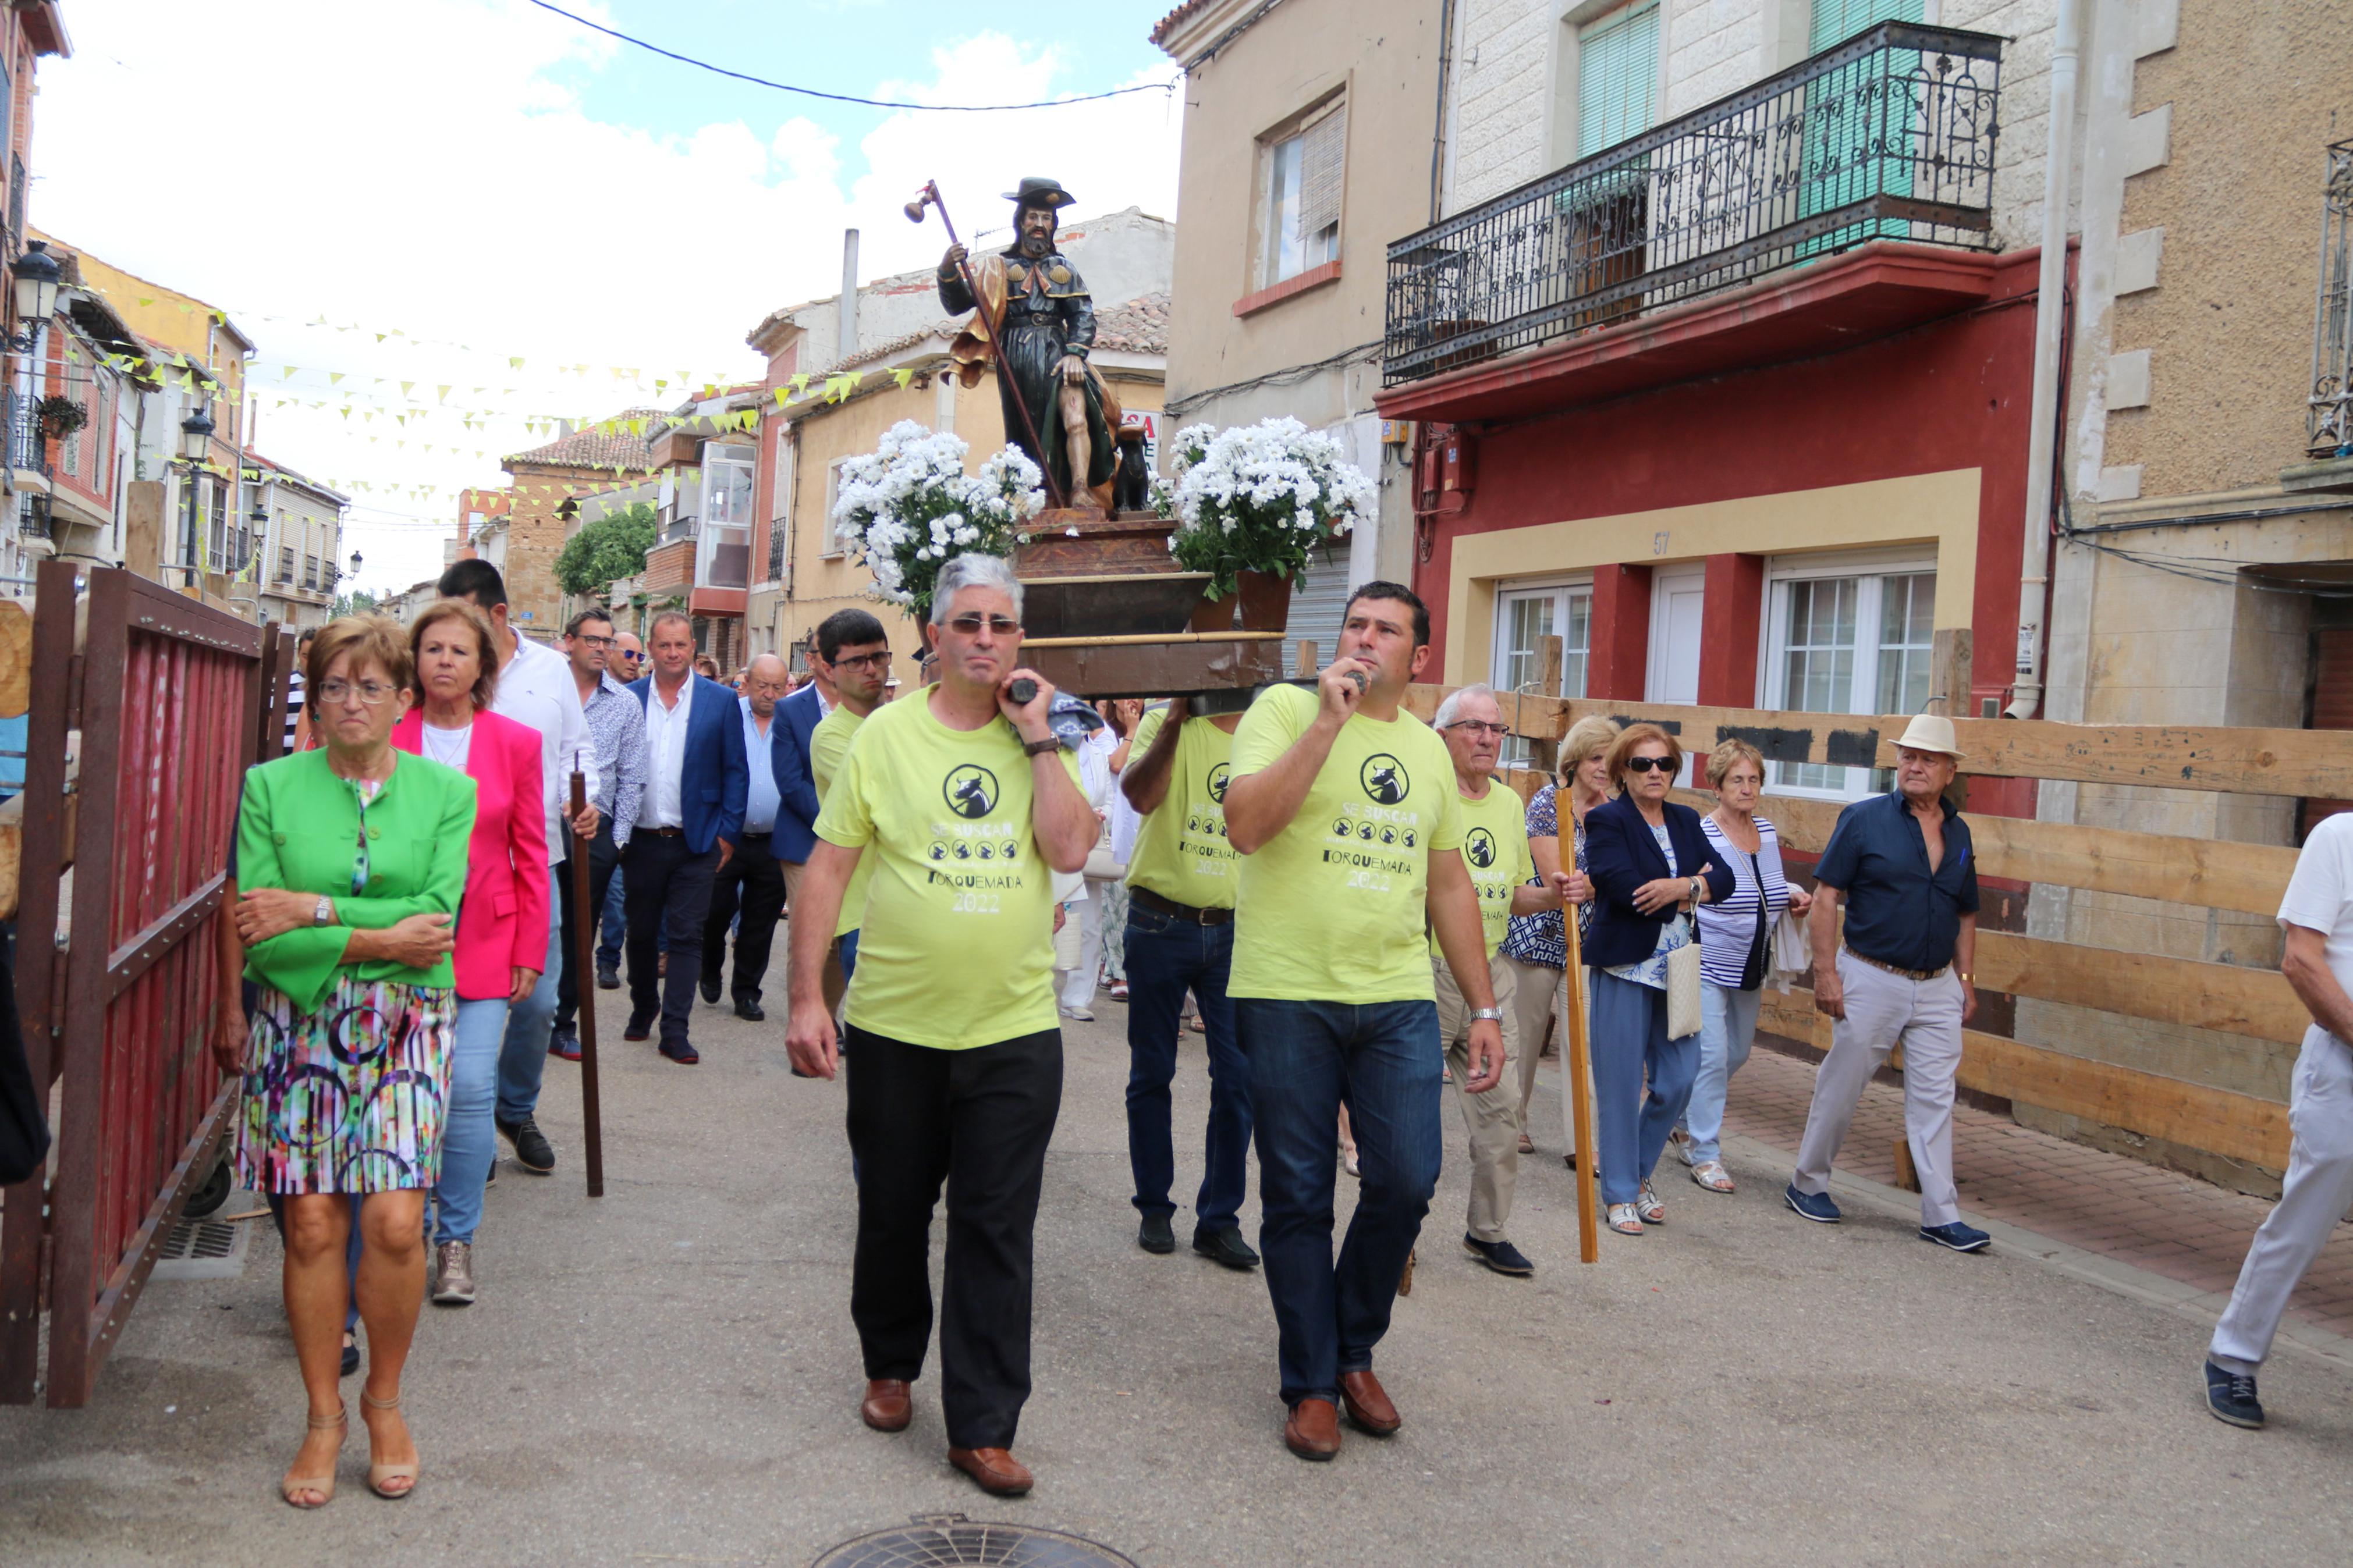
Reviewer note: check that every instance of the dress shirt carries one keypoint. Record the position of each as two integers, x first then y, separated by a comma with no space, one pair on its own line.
1897,910
666,756
536,689
618,725
760,803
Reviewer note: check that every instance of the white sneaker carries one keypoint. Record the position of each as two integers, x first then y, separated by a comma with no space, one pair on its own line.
1081,1014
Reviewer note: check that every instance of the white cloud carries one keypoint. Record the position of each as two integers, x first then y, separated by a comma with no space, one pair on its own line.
424,167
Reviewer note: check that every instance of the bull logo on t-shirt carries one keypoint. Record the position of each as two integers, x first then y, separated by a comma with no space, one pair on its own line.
1218,778
971,791
1384,779
1481,847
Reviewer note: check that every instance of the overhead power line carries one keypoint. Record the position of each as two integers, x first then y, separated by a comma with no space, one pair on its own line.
1162,86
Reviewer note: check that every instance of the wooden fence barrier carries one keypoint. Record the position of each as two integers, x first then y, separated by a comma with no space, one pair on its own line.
2245,879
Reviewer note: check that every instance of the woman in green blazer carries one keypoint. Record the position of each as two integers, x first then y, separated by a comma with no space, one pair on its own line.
350,861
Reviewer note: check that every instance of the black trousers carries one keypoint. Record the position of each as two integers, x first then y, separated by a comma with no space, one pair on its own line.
604,859
667,894
752,871
978,1120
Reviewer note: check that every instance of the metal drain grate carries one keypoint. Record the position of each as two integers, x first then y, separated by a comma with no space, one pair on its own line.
202,1249
952,1540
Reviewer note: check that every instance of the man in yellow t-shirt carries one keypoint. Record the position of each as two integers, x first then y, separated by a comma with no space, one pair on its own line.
857,656
1495,847
966,802
1344,808
1180,936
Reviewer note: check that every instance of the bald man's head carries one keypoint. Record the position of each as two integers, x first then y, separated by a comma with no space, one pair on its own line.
766,681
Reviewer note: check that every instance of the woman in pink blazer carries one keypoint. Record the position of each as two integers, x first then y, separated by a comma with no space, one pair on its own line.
502,921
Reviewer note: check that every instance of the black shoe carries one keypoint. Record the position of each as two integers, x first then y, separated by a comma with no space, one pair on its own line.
682,1053
2232,1397
351,1355
1500,1256
1156,1234
711,988
639,1029
1225,1245
532,1150
749,1010
608,977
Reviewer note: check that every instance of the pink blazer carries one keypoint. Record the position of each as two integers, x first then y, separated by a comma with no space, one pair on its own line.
502,923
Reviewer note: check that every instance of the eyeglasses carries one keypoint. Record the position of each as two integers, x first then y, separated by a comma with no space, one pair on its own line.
970,626
882,660
596,642
372,693
1481,726
1645,764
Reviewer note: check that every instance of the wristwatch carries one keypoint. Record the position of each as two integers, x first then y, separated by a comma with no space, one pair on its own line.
1492,1014
324,915
1695,889
1039,747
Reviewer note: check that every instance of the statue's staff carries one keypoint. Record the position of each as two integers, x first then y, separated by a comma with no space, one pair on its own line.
929,196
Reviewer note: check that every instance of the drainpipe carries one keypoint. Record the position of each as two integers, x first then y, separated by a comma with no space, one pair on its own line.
846,306
2050,315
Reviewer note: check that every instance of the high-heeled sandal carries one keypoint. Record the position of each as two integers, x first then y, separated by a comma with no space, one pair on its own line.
323,1485
379,1474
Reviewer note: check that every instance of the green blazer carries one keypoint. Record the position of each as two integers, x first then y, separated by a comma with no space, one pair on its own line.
299,829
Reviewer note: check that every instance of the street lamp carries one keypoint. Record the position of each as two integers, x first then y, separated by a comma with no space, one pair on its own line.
195,437
195,441
37,276
355,564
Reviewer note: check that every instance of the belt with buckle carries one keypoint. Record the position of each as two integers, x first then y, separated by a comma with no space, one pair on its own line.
1186,912
665,832
1897,968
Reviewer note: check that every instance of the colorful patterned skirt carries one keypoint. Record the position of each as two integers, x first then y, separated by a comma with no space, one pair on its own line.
352,1097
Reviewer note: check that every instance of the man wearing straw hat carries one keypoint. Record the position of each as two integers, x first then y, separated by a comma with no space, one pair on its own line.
1901,863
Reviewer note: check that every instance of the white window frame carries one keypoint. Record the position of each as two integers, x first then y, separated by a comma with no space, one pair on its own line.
1564,592
1269,270
1870,570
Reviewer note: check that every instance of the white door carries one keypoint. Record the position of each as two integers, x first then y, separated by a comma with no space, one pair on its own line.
1677,601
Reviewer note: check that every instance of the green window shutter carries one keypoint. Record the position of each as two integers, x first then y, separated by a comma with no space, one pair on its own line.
1836,21
1617,79
1841,162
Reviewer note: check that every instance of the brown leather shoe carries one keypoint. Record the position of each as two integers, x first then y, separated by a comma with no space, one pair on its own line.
995,1469
1313,1430
1368,1404
886,1406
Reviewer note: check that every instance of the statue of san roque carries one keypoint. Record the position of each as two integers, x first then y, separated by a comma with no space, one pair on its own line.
1045,321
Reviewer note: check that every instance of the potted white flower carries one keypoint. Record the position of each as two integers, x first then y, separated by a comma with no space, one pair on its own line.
909,505
1252,502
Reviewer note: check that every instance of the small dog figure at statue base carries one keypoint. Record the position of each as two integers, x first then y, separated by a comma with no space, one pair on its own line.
1131,482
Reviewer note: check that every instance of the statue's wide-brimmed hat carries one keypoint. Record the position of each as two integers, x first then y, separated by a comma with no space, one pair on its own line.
1931,733
1036,191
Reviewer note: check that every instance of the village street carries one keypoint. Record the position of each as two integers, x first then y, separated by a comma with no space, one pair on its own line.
668,1375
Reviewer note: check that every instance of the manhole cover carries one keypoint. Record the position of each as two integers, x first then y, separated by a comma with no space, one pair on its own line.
952,1540
202,1249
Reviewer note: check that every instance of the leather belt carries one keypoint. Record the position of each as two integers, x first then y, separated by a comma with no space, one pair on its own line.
1186,912
665,832
762,836
1896,968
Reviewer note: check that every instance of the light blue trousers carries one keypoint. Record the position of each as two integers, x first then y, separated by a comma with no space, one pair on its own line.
470,1142
1727,1027
523,1059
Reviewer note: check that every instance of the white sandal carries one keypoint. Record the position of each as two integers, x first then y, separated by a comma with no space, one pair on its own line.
1710,1174
1624,1220
1648,1207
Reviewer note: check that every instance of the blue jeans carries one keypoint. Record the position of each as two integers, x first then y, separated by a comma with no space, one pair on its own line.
523,1059
1629,1041
1306,1058
1167,956
469,1144
1727,1028
615,925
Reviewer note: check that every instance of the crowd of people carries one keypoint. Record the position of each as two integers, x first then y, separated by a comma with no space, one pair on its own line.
1350,906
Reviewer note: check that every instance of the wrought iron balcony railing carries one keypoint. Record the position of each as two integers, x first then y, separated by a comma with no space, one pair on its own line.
1889,135
26,449
2328,419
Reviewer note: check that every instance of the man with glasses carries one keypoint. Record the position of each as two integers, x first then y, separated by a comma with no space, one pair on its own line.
754,880
965,801
857,636
1495,850
856,660
617,726
1343,807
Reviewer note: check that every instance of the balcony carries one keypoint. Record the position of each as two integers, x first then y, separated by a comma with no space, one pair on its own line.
1852,163
29,449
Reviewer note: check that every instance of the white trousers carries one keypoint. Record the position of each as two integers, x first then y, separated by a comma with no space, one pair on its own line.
2318,1190
1882,1011
1078,976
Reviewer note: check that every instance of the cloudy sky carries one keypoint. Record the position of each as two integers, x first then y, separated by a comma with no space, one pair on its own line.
429,192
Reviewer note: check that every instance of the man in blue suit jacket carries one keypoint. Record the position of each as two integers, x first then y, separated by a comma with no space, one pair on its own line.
690,820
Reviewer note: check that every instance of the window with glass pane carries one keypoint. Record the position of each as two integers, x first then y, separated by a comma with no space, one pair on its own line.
1302,221
1817,665
1523,616
1853,644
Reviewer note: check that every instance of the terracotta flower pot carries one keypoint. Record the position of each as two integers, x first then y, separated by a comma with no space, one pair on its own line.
1265,601
1212,615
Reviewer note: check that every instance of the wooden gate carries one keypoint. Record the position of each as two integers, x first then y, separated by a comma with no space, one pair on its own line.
147,708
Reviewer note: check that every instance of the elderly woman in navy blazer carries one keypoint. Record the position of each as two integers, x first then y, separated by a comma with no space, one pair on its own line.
1649,862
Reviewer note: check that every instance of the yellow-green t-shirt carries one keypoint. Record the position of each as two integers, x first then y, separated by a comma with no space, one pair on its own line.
957,948
1332,908
1495,853
1181,851
829,744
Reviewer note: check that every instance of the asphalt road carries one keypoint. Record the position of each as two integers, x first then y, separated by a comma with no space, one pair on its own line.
668,1375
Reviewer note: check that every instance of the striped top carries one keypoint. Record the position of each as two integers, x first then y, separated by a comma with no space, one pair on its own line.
1727,929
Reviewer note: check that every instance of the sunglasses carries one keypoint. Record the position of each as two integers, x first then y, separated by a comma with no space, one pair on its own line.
970,626
1645,764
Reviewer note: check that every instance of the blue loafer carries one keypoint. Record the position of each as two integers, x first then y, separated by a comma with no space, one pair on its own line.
1959,1237
2231,1397
1500,1256
1815,1207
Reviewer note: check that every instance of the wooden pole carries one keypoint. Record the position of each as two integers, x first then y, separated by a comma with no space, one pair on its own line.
583,958
1576,1063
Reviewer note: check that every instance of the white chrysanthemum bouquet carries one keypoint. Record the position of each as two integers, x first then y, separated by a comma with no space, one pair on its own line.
908,506
1259,498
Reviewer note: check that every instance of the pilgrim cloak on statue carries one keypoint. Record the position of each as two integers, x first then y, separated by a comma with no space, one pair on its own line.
1045,319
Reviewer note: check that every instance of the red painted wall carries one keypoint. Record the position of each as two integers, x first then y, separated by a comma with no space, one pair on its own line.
1619,658
1730,618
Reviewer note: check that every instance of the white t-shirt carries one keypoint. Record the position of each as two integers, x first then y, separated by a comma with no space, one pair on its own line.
449,747
2320,895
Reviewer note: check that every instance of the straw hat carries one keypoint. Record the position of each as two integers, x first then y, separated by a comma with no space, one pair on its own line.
1931,733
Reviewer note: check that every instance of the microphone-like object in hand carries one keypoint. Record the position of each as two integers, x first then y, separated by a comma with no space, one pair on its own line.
1356,676
1022,692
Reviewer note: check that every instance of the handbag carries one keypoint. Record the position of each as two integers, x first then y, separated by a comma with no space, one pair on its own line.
1682,991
